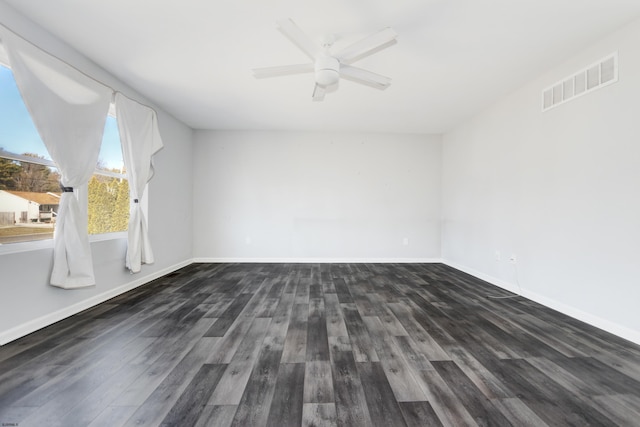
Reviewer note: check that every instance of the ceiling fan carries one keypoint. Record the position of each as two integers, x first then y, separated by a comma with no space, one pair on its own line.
328,67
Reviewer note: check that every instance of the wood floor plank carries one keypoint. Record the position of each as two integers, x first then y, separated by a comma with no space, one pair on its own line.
319,345
396,369
448,324
219,304
316,306
19,383
286,405
391,323
551,402
89,407
339,344
342,291
360,292
518,413
383,407
427,345
326,280
532,328
360,340
318,382
563,377
315,290
445,403
275,337
411,352
227,345
623,409
605,378
113,416
230,388
62,392
295,347
490,386
216,416
187,410
302,290
155,374
419,414
226,319
481,409
155,407
268,307
317,338
253,409
335,320
351,404
319,415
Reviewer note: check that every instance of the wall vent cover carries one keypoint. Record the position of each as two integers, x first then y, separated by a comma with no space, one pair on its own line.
595,76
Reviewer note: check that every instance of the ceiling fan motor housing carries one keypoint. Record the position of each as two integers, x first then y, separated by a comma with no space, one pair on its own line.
327,70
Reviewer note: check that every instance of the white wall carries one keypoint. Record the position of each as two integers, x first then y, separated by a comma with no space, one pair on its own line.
12,203
28,302
559,189
316,196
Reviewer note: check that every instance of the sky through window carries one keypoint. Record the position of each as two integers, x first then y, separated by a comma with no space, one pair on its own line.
19,135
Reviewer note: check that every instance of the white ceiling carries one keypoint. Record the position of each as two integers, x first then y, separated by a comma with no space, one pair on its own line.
453,57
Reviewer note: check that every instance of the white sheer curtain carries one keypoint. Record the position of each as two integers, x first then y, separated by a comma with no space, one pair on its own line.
69,110
138,126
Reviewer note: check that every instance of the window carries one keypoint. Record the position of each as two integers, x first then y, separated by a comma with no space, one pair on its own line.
108,192
29,188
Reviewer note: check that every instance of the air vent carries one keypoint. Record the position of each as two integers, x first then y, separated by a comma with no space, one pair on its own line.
595,76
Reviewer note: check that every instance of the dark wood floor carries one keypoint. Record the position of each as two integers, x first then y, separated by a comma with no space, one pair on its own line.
314,345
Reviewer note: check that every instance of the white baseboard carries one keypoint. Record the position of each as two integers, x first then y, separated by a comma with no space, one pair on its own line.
321,260
49,319
598,322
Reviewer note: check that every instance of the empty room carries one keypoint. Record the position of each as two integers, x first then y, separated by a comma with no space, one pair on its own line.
346,213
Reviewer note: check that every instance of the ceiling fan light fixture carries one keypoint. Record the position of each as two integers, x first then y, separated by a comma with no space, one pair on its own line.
327,70
327,77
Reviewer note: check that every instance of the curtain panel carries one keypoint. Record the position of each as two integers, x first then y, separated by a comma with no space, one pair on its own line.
69,109
140,136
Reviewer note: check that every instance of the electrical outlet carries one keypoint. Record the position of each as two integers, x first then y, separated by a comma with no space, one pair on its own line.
498,256
405,241
247,240
513,259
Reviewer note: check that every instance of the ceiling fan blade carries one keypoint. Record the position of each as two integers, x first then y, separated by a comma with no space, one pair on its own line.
298,37
365,77
282,70
367,46
318,92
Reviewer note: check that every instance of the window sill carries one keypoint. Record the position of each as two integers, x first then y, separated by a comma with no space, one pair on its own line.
36,245
13,248
107,236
